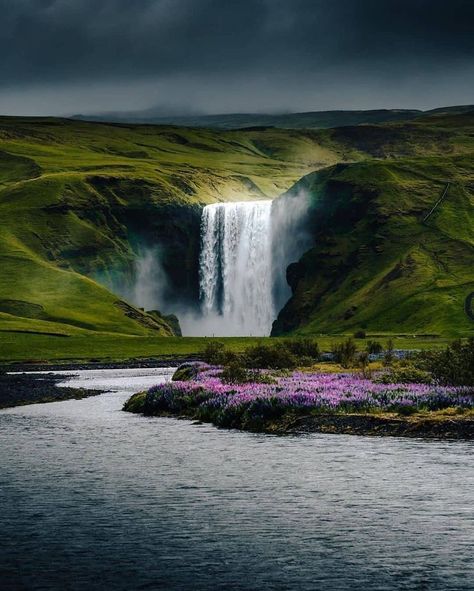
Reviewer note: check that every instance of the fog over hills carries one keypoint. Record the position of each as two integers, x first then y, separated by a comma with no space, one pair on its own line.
306,120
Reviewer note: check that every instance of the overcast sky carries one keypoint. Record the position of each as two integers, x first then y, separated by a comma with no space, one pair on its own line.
218,56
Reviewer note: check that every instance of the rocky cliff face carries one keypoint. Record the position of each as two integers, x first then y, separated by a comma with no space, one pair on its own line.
128,219
147,221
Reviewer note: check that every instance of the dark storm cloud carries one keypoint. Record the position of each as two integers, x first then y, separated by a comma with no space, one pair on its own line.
96,41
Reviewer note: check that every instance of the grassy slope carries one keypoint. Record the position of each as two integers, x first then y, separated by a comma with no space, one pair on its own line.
375,265
62,181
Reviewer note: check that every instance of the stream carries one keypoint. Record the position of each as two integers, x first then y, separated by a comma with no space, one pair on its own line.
95,498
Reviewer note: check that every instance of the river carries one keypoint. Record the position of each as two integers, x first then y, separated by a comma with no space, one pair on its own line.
95,498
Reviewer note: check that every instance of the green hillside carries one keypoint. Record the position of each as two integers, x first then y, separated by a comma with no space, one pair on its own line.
79,200
376,264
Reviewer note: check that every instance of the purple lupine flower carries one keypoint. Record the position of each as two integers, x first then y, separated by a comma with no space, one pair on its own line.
305,391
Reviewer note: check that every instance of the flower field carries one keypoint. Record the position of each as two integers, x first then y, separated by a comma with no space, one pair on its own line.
207,397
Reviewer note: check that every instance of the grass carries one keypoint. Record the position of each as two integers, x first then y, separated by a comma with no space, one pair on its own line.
86,347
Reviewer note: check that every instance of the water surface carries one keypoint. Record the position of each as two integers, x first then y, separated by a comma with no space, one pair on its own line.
95,498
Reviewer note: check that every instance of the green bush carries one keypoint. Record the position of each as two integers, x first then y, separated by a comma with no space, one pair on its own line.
135,403
303,348
286,354
454,366
345,353
263,378
363,363
234,373
405,410
185,372
374,348
405,374
271,356
213,352
389,353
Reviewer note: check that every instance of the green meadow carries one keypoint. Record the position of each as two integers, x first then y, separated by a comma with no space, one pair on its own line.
42,348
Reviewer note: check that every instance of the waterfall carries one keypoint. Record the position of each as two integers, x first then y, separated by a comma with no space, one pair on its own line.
236,268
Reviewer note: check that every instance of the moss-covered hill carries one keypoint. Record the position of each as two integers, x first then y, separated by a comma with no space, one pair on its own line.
376,265
78,200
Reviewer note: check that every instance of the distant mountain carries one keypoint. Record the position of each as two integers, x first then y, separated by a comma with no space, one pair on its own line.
459,110
309,120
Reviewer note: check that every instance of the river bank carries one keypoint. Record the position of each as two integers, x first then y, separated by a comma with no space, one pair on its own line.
32,383
428,426
33,388
423,425
154,362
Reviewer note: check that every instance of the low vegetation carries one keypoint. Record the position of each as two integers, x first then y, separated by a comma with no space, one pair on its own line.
280,354
453,366
21,343
257,390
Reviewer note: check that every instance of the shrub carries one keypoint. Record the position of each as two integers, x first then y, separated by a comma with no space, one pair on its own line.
374,348
407,374
363,363
135,403
345,353
228,357
360,334
234,373
258,377
185,372
275,355
303,349
404,409
454,366
271,356
389,350
213,352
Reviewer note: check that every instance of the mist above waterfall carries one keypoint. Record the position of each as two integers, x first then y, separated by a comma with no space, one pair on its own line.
149,282
245,250
290,240
145,284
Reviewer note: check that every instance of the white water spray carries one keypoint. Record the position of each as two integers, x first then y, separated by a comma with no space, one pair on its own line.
236,268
